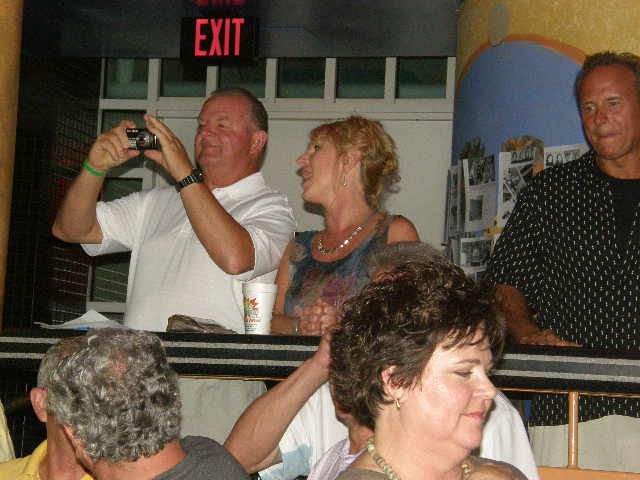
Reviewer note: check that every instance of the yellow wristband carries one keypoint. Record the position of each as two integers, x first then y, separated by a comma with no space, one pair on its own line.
91,170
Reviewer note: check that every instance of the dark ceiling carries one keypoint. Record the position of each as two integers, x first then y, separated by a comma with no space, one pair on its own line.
287,28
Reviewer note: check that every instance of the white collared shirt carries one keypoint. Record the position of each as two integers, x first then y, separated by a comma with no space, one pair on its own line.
335,461
171,272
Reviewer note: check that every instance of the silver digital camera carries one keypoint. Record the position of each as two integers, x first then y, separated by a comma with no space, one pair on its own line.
142,139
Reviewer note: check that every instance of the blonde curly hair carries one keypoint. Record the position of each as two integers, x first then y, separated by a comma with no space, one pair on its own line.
379,165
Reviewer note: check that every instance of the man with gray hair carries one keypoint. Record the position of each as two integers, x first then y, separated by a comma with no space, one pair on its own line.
118,402
54,458
394,255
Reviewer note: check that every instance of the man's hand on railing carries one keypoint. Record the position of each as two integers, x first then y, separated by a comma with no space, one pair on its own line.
546,337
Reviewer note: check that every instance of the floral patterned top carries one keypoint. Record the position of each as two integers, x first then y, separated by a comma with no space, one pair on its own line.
334,282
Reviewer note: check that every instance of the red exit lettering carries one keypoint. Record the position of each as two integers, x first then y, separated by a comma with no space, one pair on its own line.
220,39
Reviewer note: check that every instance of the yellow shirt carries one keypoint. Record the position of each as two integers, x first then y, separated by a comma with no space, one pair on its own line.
6,447
26,468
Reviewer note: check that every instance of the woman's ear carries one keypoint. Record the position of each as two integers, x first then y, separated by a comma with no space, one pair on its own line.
392,391
351,159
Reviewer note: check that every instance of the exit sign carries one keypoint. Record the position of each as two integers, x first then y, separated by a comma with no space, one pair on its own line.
219,39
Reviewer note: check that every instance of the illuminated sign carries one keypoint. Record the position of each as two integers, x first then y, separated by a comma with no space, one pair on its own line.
219,39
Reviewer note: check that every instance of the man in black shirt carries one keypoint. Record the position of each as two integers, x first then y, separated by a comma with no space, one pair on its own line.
567,266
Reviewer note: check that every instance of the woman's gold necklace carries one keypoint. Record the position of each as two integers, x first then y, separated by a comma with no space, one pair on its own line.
328,251
388,471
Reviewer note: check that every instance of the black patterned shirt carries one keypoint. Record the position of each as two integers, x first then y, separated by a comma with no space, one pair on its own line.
559,248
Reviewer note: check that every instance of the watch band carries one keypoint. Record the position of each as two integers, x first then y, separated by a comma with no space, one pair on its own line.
196,176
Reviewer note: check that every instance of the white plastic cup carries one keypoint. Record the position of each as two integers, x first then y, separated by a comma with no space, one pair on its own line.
258,307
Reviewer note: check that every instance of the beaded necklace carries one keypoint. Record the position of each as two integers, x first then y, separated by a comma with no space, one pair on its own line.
328,251
388,471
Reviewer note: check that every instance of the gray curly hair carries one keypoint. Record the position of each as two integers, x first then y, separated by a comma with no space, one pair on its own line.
118,394
54,355
392,255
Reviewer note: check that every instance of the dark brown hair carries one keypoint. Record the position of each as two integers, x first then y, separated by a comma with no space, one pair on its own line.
400,322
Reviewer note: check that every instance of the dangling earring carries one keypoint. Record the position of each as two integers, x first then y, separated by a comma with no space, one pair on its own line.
344,180
397,404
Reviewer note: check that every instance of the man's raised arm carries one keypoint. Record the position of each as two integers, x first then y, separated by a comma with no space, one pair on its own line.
76,218
227,242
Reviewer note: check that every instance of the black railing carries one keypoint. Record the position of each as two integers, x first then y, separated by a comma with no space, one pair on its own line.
275,357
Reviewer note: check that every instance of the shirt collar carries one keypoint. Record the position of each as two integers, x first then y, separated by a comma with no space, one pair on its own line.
245,185
32,468
33,464
345,455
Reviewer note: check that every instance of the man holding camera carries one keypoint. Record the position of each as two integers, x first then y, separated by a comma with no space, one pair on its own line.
191,249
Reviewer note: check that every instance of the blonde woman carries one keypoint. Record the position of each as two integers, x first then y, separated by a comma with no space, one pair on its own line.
346,168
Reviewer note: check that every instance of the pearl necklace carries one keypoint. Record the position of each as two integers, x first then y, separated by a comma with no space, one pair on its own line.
388,471
328,251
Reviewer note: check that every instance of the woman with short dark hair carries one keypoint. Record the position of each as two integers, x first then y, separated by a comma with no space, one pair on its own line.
411,361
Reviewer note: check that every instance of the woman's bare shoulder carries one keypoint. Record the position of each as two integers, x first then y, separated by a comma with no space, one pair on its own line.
485,469
402,229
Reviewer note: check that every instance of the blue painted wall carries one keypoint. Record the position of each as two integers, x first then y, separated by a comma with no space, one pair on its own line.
515,89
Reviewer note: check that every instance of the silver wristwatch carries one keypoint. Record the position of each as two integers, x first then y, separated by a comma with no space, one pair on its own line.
196,177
